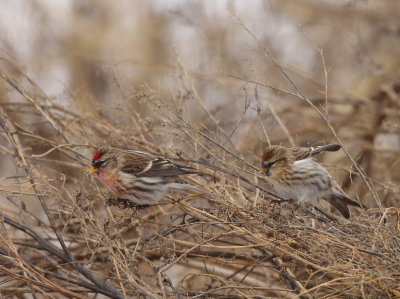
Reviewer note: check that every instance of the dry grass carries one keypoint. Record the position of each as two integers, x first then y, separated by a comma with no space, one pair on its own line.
191,245
60,239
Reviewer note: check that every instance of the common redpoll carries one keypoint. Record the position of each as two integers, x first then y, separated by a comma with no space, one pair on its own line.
294,174
137,176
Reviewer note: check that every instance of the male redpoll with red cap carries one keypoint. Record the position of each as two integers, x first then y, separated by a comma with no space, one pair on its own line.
294,174
137,176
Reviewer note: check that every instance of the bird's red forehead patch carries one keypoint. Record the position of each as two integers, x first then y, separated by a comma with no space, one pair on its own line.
97,155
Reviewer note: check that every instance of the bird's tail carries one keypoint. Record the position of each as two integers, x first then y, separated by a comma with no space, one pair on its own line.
341,202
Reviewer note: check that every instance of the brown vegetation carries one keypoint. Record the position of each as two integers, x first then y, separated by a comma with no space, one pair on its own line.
62,235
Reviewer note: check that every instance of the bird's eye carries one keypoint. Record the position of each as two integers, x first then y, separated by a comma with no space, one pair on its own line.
268,165
98,164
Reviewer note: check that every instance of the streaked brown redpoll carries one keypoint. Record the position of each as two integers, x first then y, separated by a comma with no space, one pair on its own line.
137,176
294,174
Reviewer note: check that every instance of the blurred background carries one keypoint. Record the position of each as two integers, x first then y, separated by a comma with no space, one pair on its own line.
245,73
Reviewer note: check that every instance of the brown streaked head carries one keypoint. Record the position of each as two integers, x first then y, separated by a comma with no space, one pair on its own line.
277,157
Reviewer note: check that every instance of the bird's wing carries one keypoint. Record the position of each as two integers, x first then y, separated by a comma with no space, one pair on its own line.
301,153
142,164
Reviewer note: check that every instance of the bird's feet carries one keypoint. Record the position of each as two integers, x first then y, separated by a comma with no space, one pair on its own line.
123,204
279,201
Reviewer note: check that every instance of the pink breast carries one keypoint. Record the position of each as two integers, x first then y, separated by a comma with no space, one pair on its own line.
110,181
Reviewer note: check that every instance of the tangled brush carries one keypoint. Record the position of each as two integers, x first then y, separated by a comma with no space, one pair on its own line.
62,233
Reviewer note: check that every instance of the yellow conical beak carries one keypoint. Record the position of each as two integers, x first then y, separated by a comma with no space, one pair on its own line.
265,170
93,170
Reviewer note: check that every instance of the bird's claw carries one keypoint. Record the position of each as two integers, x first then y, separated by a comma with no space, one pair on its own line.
123,204
279,201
